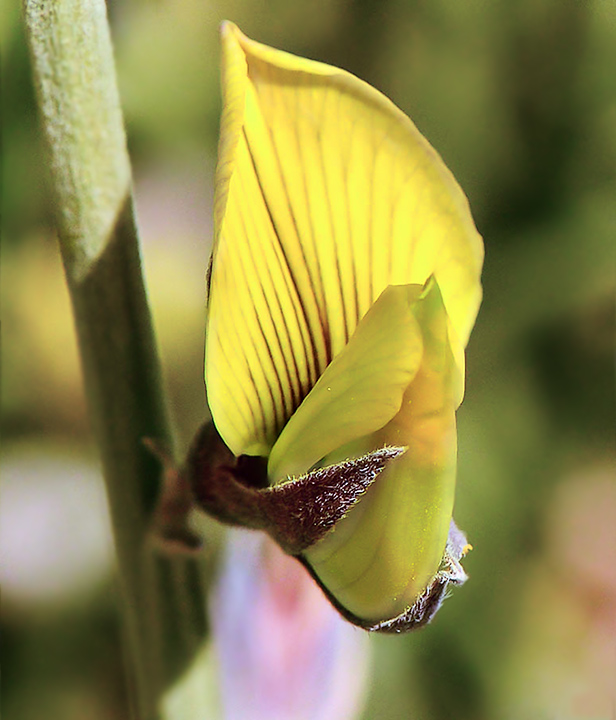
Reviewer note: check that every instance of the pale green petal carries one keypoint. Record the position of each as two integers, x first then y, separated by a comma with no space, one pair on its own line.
382,555
360,391
326,194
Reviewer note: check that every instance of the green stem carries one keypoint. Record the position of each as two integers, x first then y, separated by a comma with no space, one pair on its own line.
72,57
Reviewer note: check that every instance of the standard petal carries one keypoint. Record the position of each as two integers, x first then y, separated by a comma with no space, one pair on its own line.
360,391
388,548
326,194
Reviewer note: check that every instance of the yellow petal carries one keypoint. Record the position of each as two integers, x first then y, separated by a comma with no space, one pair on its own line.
360,391
382,555
326,193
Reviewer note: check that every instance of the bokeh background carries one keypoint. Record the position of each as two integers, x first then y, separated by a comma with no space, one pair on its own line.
519,98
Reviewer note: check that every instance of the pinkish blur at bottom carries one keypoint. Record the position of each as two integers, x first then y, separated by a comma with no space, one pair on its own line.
283,651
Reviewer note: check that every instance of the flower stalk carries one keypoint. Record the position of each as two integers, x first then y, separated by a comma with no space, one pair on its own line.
74,75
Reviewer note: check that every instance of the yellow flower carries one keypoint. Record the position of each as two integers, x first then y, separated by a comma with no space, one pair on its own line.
343,288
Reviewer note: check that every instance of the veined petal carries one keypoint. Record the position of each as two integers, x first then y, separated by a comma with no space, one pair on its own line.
382,555
326,194
360,391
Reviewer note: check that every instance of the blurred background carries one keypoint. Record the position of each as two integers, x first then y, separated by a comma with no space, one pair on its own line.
520,100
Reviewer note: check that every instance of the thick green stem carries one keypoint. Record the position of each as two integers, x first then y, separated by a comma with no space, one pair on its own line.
73,67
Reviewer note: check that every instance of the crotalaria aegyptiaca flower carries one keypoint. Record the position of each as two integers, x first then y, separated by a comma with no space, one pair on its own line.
344,283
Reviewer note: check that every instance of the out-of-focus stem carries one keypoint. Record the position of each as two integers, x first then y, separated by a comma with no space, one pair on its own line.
74,74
